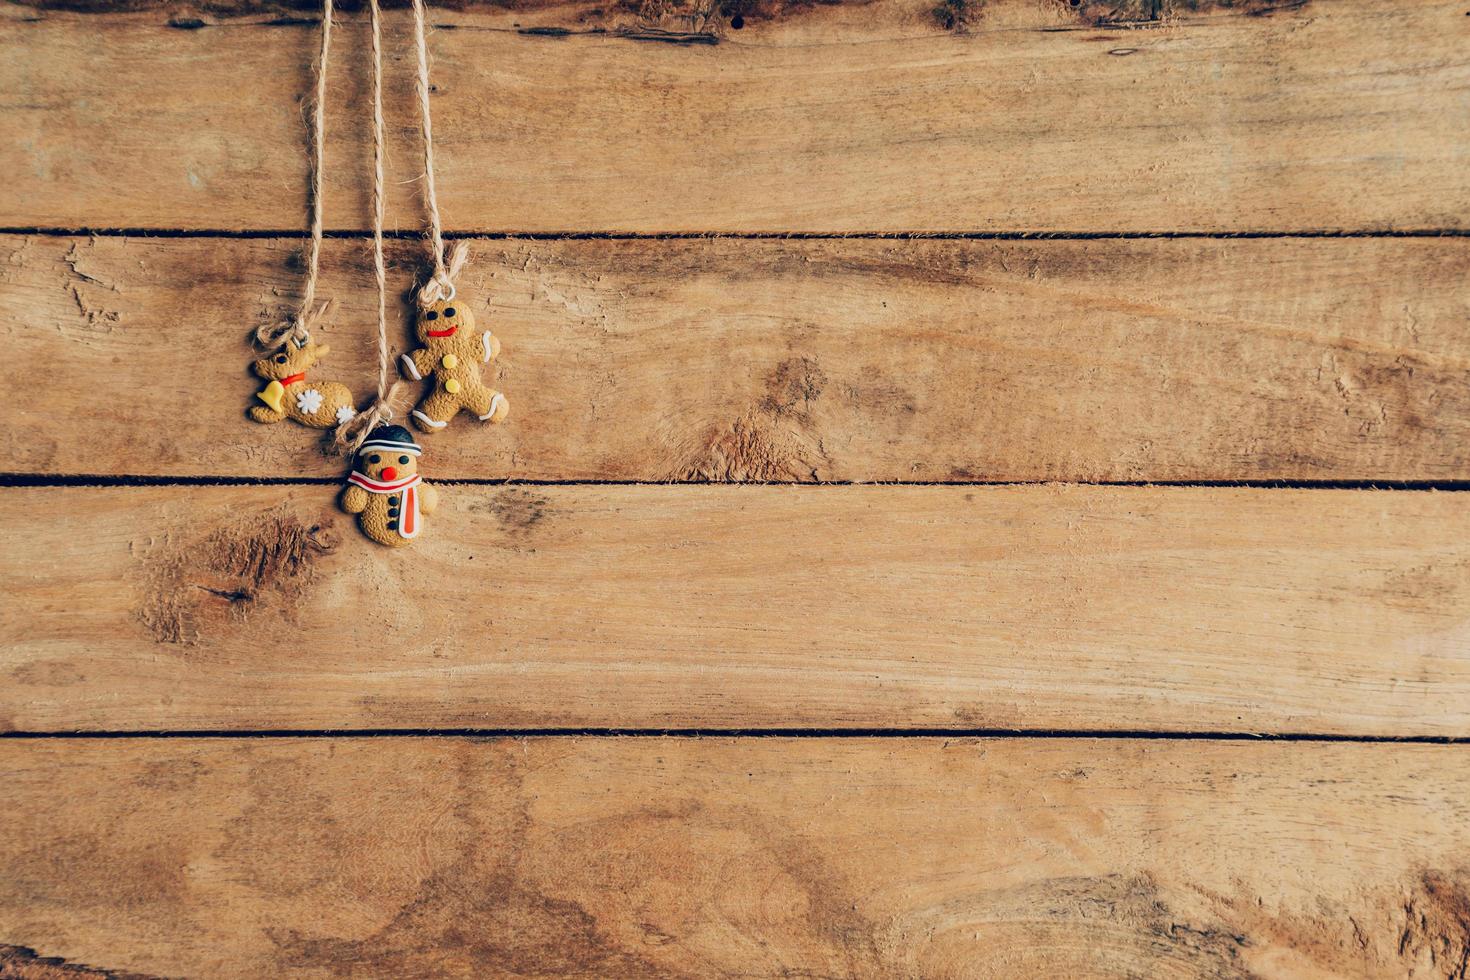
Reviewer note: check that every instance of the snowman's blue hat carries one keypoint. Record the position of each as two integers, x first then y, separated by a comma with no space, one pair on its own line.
394,438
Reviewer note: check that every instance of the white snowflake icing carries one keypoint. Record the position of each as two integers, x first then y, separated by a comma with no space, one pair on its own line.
309,401
345,413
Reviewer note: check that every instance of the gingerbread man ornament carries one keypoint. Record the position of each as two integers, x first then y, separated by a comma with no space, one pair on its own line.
451,358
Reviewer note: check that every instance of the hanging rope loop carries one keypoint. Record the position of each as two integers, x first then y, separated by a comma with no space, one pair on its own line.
274,336
440,286
351,434
354,432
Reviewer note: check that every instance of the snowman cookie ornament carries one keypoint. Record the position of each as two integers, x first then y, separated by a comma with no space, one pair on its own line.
385,490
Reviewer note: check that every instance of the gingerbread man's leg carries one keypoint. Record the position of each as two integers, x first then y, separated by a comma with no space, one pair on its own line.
266,414
488,404
434,412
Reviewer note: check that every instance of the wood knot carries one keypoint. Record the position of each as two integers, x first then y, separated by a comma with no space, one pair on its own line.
225,575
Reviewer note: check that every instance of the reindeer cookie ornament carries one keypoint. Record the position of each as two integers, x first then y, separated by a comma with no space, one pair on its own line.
384,489
287,347
319,404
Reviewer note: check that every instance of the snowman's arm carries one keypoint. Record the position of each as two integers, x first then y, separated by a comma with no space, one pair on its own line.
354,499
428,498
416,365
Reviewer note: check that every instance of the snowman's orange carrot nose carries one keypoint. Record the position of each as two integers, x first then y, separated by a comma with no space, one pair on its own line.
390,473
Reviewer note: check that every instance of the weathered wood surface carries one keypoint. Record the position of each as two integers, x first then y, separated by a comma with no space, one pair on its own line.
783,360
895,115
736,857
222,608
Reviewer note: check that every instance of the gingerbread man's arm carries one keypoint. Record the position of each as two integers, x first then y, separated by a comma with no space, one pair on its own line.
428,498
489,347
416,365
354,500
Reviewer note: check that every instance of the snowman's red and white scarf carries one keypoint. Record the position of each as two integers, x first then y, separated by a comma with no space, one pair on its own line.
408,514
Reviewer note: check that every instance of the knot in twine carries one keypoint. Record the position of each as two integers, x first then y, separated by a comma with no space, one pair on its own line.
297,330
440,285
272,337
350,435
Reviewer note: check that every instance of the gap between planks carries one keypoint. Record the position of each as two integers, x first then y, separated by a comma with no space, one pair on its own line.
142,480
1016,235
996,734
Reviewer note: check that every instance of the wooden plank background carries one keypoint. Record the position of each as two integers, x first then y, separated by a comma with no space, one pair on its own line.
824,118
783,244
736,857
1242,610
728,359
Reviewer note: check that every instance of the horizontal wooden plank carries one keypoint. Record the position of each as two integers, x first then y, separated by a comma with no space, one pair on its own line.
895,115
729,359
648,607
729,857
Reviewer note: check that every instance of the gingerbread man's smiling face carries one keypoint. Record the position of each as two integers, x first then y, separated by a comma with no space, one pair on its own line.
387,465
445,324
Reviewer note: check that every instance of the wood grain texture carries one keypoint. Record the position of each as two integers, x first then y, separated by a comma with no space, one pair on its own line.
754,858
783,360
1191,610
901,115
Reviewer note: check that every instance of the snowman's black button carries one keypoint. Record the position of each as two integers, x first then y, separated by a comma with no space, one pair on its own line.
392,525
392,511
393,499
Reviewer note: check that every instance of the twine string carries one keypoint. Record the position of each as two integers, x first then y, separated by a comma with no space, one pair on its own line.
274,336
441,283
352,433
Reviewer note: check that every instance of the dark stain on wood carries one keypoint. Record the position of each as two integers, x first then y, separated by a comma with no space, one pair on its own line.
24,963
519,511
1133,14
957,15
1437,924
796,381
774,440
224,577
503,906
479,915
668,37
699,16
